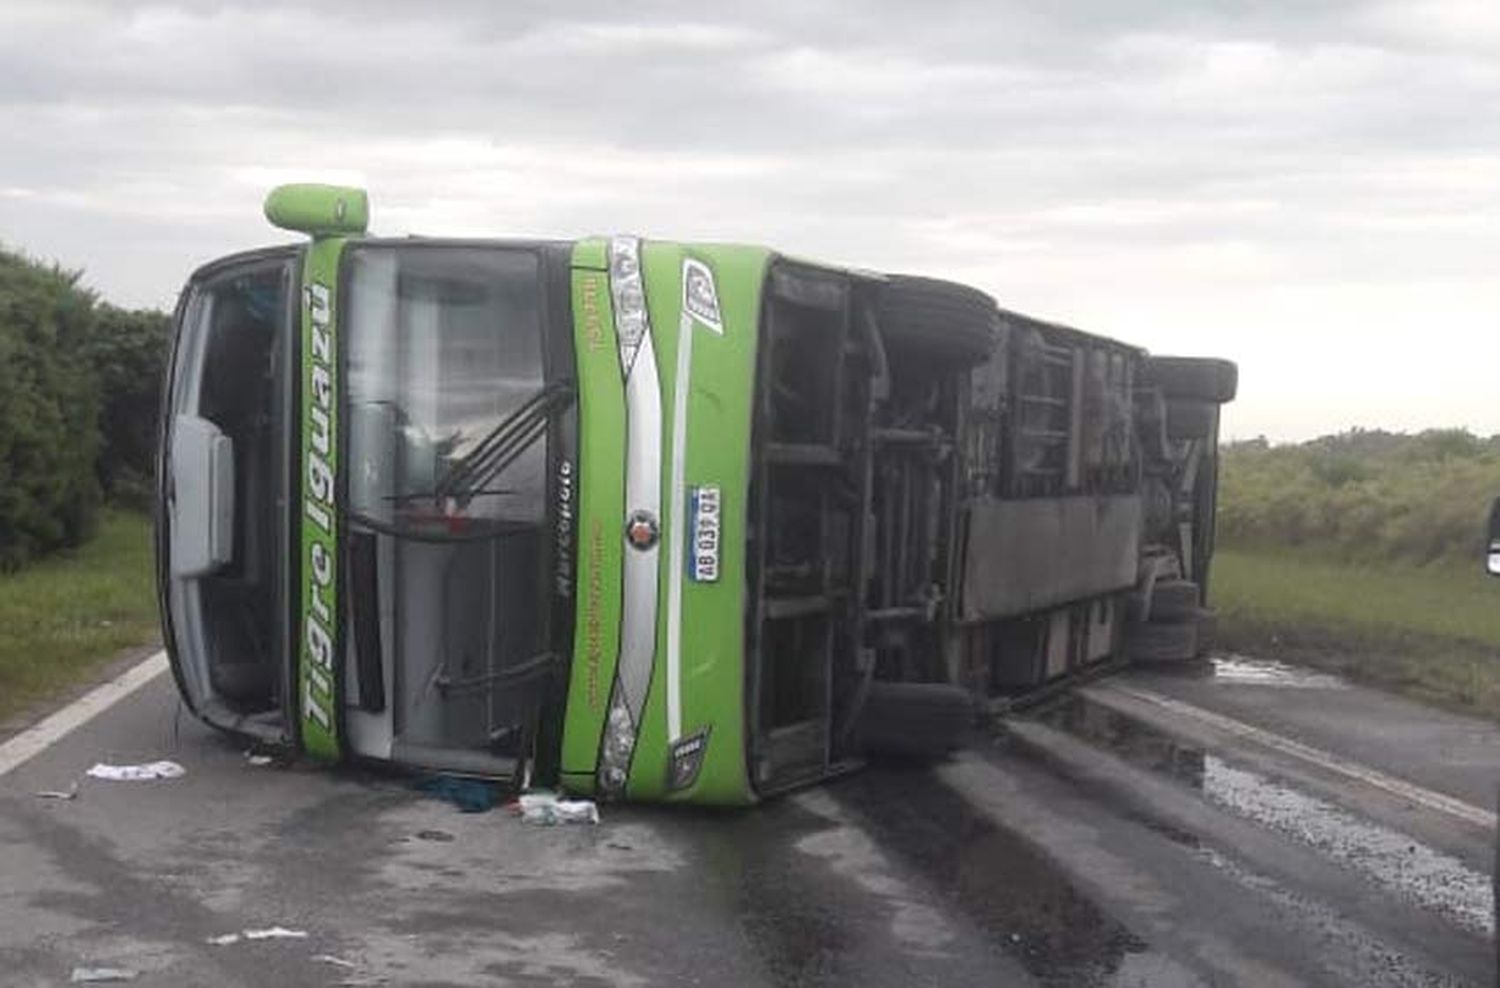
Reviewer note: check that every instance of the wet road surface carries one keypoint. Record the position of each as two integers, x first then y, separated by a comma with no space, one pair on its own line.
1245,825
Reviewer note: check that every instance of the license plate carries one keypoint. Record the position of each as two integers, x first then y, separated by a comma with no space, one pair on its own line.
703,534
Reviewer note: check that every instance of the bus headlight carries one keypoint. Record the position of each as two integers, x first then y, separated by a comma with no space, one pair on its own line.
629,294
618,746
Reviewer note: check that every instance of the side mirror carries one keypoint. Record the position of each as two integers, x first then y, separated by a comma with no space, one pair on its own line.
1492,553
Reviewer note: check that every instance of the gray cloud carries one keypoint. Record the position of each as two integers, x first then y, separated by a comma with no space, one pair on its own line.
1297,178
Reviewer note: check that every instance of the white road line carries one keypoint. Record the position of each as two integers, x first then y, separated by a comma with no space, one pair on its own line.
47,732
1456,808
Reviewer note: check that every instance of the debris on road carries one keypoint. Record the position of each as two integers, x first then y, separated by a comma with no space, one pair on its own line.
100,975
275,933
257,759
548,809
137,773
440,836
469,795
269,933
335,961
69,793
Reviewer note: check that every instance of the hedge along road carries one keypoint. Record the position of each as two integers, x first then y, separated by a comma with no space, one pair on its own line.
1108,839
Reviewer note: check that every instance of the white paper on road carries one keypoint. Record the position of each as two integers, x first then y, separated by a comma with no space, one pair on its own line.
335,961
137,773
100,975
275,933
547,809
269,933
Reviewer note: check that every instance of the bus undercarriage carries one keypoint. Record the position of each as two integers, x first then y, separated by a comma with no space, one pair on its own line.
952,507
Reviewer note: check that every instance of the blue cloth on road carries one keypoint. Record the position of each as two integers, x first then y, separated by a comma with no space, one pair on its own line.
469,795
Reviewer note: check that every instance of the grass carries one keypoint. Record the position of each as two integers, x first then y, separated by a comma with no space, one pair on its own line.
64,617
1432,632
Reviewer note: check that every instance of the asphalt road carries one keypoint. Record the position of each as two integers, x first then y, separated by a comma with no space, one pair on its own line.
1254,827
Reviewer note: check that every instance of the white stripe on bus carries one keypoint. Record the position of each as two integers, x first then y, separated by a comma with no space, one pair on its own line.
679,526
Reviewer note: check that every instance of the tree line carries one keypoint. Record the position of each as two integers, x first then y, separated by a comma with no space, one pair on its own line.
79,387
1364,496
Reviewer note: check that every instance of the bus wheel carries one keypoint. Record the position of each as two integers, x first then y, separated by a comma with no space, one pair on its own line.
915,720
1174,600
1193,378
932,320
1158,642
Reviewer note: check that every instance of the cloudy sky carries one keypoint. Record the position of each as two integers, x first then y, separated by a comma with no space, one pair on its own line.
1311,187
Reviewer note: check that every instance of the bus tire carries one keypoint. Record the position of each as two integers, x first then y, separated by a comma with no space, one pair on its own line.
1193,378
1174,601
1162,642
932,320
915,720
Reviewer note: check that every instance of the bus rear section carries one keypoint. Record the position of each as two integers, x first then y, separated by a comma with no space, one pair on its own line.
954,506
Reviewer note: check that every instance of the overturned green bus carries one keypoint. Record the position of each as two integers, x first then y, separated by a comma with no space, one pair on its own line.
653,520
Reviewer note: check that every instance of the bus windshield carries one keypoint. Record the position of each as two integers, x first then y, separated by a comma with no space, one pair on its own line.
444,349
448,409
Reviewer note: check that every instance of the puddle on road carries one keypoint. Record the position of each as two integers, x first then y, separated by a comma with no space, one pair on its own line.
1131,739
1350,952
1268,672
1419,874
1024,901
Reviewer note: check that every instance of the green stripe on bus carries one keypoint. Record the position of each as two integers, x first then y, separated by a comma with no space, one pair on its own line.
601,486
318,603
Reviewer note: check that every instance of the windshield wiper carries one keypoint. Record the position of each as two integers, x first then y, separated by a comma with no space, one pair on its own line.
430,495
529,669
500,447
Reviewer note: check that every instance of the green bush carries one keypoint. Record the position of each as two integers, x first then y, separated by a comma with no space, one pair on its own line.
49,411
128,351
1363,496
